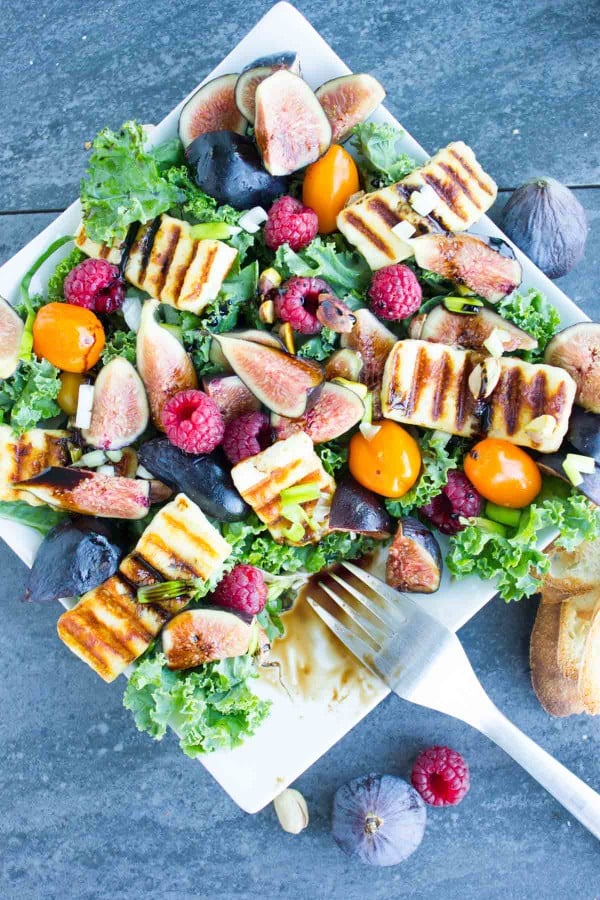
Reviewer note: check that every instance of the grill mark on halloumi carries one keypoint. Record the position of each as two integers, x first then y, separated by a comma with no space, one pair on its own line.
462,183
385,212
365,229
166,258
145,245
463,398
472,173
442,378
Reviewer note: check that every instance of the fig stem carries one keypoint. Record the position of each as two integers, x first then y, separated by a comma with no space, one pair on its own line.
372,823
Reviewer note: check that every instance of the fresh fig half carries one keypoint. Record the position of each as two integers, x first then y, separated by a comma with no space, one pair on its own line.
231,396
291,127
344,364
471,331
336,410
348,101
584,432
373,341
282,382
162,362
198,636
11,333
89,493
577,349
257,71
486,266
249,334
355,508
211,108
414,561
120,408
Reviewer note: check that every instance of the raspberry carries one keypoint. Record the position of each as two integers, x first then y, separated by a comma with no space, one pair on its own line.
458,498
243,589
246,436
95,284
290,223
441,776
297,303
395,292
193,422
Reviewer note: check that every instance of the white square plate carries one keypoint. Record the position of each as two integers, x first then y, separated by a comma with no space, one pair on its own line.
304,726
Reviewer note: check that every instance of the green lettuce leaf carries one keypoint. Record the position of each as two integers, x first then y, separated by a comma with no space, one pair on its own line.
333,455
534,314
376,147
438,458
56,281
120,343
320,346
29,395
346,271
42,518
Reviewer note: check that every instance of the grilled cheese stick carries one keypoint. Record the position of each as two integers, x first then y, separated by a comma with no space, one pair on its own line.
428,385
108,629
260,480
168,263
464,193
24,457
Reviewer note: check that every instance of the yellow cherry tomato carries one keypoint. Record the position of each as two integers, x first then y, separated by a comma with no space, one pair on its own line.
389,463
503,473
328,184
70,337
68,396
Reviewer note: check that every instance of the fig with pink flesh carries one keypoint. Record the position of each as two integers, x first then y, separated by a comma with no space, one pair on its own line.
89,493
249,334
414,561
257,71
231,396
471,331
344,364
198,636
577,349
348,101
336,410
211,108
355,508
120,408
11,333
373,341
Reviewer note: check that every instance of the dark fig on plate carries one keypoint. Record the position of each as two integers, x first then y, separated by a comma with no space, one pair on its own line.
205,480
252,75
414,561
577,349
348,101
373,341
249,334
485,265
379,819
198,636
228,167
120,408
211,108
89,493
344,364
336,410
162,362
355,508
291,127
471,331
584,432
548,223
282,382
11,333
554,464
231,396
74,557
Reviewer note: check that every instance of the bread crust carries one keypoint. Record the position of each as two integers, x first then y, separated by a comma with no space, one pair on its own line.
558,695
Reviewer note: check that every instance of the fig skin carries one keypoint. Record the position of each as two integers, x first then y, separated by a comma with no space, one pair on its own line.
11,332
198,636
577,349
120,410
255,72
336,410
212,108
471,331
584,432
248,334
355,508
231,396
415,559
373,341
348,101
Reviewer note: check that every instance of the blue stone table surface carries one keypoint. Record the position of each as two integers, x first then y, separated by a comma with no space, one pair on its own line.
91,808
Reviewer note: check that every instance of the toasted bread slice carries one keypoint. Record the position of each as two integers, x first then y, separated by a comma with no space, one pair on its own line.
572,572
588,684
576,616
558,695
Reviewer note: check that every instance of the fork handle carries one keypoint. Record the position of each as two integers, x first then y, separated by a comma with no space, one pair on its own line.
574,794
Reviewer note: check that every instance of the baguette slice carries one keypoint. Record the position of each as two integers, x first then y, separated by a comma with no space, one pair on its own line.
558,695
572,572
588,684
576,616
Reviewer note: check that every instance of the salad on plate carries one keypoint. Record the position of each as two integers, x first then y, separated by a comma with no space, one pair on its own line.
272,345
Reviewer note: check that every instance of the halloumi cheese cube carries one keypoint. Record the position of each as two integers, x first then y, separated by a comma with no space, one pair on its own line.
23,457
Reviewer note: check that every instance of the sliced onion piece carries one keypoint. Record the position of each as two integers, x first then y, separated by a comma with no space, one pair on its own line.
85,402
252,220
132,312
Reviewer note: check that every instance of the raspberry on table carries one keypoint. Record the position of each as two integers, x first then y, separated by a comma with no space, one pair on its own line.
246,436
193,422
290,222
297,303
395,292
441,776
95,284
242,589
458,498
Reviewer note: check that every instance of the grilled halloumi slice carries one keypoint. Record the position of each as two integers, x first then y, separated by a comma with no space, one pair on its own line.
428,385
108,629
169,264
464,193
260,480
24,457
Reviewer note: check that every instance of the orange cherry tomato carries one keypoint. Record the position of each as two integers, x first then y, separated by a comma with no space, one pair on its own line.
503,473
328,184
389,463
68,396
70,337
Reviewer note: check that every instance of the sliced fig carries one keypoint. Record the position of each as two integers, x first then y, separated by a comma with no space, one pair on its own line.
120,408
250,334
415,327
211,108
205,480
231,396
348,101
373,341
577,349
291,127
584,432
553,464
75,556
355,508
89,493
257,71
229,168
334,314
471,331
282,382
414,560
344,364
11,332
127,464
486,266
336,410
162,362
198,636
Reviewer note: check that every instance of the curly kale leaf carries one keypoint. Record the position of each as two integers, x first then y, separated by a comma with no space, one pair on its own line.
438,457
534,314
30,395
376,145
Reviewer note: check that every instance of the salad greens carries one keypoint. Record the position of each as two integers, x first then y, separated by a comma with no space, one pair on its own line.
376,145
42,518
119,343
534,314
438,457
345,270
333,455
57,279
29,395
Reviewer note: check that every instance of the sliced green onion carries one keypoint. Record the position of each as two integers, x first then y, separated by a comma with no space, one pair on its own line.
463,291
295,532
368,414
25,283
503,515
585,464
217,231
293,512
467,305
164,590
485,525
300,493
440,438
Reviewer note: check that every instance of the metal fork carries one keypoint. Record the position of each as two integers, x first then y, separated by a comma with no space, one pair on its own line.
422,661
